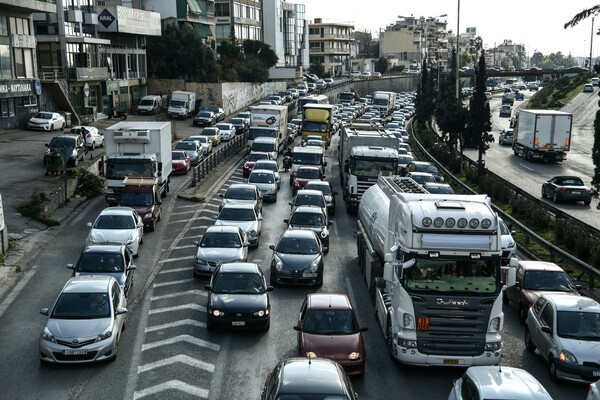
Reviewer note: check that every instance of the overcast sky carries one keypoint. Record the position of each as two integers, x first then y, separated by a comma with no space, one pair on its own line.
537,24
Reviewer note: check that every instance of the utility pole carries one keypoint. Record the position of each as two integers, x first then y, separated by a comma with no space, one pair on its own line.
457,49
591,44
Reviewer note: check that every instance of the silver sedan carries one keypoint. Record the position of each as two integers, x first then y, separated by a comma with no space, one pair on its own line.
246,217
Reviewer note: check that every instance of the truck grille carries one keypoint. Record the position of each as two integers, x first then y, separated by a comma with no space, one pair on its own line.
453,330
363,185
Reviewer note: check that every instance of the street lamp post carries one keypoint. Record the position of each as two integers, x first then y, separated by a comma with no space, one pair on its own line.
591,44
457,48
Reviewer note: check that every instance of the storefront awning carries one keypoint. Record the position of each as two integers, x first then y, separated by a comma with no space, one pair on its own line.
197,6
203,30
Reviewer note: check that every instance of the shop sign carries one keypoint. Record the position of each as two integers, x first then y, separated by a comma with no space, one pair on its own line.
92,74
129,20
15,88
112,86
23,41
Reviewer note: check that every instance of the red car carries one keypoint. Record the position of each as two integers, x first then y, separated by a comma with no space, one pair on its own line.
252,158
305,174
535,278
181,162
327,328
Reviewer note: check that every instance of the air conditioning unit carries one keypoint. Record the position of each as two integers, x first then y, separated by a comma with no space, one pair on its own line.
90,19
39,17
74,16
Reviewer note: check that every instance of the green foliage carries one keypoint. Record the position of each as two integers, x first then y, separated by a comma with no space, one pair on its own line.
596,158
425,102
180,54
33,209
556,93
465,59
480,119
382,65
248,63
89,185
397,69
317,69
555,60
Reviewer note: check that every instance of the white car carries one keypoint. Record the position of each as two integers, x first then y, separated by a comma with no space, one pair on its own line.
270,165
47,121
227,130
207,146
92,136
245,216
494,382
120,225
509,246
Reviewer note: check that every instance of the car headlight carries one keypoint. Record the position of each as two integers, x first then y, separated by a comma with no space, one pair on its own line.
568,357
90,239
217,313
200,261
130,240
408,321
253,233
314,266
104,335
74,153
110,190
148,216
493,346
495,325
278,265
324,233
354,356
47,335
310,354
261,313
511,245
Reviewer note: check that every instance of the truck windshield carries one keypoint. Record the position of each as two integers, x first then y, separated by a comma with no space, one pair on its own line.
381,102
256,132
264,147
119,169
453,275
346,96
146,102
136,199
315,126
374,168
177,103
307,158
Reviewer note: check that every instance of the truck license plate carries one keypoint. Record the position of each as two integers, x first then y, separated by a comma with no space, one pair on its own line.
238,323
423,324
451,362
78,352
596,373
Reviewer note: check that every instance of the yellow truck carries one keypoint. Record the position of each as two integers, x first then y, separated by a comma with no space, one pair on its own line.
317,119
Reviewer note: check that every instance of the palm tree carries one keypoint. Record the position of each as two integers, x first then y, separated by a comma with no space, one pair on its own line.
583,15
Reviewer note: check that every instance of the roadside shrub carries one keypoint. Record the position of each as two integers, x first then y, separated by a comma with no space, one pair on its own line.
89,185
33,208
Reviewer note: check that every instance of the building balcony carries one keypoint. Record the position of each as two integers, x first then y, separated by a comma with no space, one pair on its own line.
318,37
29,6
331,52
82,74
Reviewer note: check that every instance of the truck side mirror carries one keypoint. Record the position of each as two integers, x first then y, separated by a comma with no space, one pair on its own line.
511,277
160,169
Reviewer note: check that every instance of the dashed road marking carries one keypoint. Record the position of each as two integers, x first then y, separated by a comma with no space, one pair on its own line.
335,229
177,308
183,322
198,227
172,270
174,259
172,385
180,358
182,338
170,283
525,166
187,246
179,294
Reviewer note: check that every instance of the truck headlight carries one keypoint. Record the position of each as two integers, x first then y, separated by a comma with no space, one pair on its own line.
110,190
493,346
408,321
568,357
410,344
47,335
104,335
495,325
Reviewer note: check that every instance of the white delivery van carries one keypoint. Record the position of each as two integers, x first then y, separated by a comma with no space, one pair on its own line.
265,145
149,105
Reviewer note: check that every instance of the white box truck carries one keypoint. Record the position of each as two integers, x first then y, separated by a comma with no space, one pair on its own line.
384,102
137,149
432,262
269,121
365,152
182,104
542,135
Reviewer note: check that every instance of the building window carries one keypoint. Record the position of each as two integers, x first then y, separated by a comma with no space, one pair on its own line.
7,108
5,67
3,26
222,31
222,9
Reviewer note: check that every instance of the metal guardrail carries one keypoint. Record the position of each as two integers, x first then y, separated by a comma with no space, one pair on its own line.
221,154
555,252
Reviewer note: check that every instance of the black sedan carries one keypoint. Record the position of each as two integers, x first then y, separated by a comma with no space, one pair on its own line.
297,259
238,298
566,188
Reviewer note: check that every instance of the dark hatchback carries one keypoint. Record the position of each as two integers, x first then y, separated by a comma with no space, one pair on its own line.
297,259
238,298
566,188
424,166
308,379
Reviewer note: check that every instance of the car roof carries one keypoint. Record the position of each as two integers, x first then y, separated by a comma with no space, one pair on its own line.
117,211
305,149
309,192
223,228
336,301
505,382
246,267
265,171
421,163
259,152
299,234
416,173
540,266
308,209
435,184
178,151
88,284
315,183
248,186
310,375
104,247
266,162
309,167
66,136
566,302
265,139
239,205
561,177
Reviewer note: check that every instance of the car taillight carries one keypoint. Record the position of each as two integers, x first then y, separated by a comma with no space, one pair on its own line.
588,191
562,190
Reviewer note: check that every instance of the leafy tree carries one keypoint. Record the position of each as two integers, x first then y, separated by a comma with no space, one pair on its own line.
248,63
381,65
465,59
317,69
397,69
180,54
479,121
596,158
425,103
537,58
262,51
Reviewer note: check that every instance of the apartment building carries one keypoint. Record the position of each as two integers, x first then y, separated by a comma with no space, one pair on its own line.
330,45
200,14
243,18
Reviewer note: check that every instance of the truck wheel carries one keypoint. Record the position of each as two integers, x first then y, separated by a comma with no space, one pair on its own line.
515,152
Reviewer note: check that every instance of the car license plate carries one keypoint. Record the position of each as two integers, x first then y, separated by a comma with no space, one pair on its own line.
423,324
451,362
311,274
596,373
238,323
575,192
77,352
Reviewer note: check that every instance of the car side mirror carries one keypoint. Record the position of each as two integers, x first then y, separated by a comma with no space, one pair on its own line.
140,225
517,284
323,177
246,244
89,224
329,223
290,203
70,266
325,164
272,247
269,288
287,221
335,192
44,311
131,268
221,195
346,168
364,329
546,329
579,287
298,328
196,243
121,311
208,287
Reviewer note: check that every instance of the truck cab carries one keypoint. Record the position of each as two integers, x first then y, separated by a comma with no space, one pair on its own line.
143,196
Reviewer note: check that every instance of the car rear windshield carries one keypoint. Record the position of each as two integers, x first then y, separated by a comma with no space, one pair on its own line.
114,222
571,181
178,156
297,246
307,158
309,200
209,132
185,146
307,173
307,219
136,199
556,281
241,194
237,214
223,127
261,178
205,114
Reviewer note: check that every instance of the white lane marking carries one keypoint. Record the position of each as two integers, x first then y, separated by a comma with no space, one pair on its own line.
171,385
525,166
182,338
174,259
177,308
214,204
335,229
187,246
198,227
172,283
168,271
180,358
189,206
182,322
183,213
16,291
179,221
178,294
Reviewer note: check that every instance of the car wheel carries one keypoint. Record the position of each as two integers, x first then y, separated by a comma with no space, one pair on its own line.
543,193
552,369
555,197
209,325
93,145
64,125
528,343
522,313
152,227
116,351
587,202
272,281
